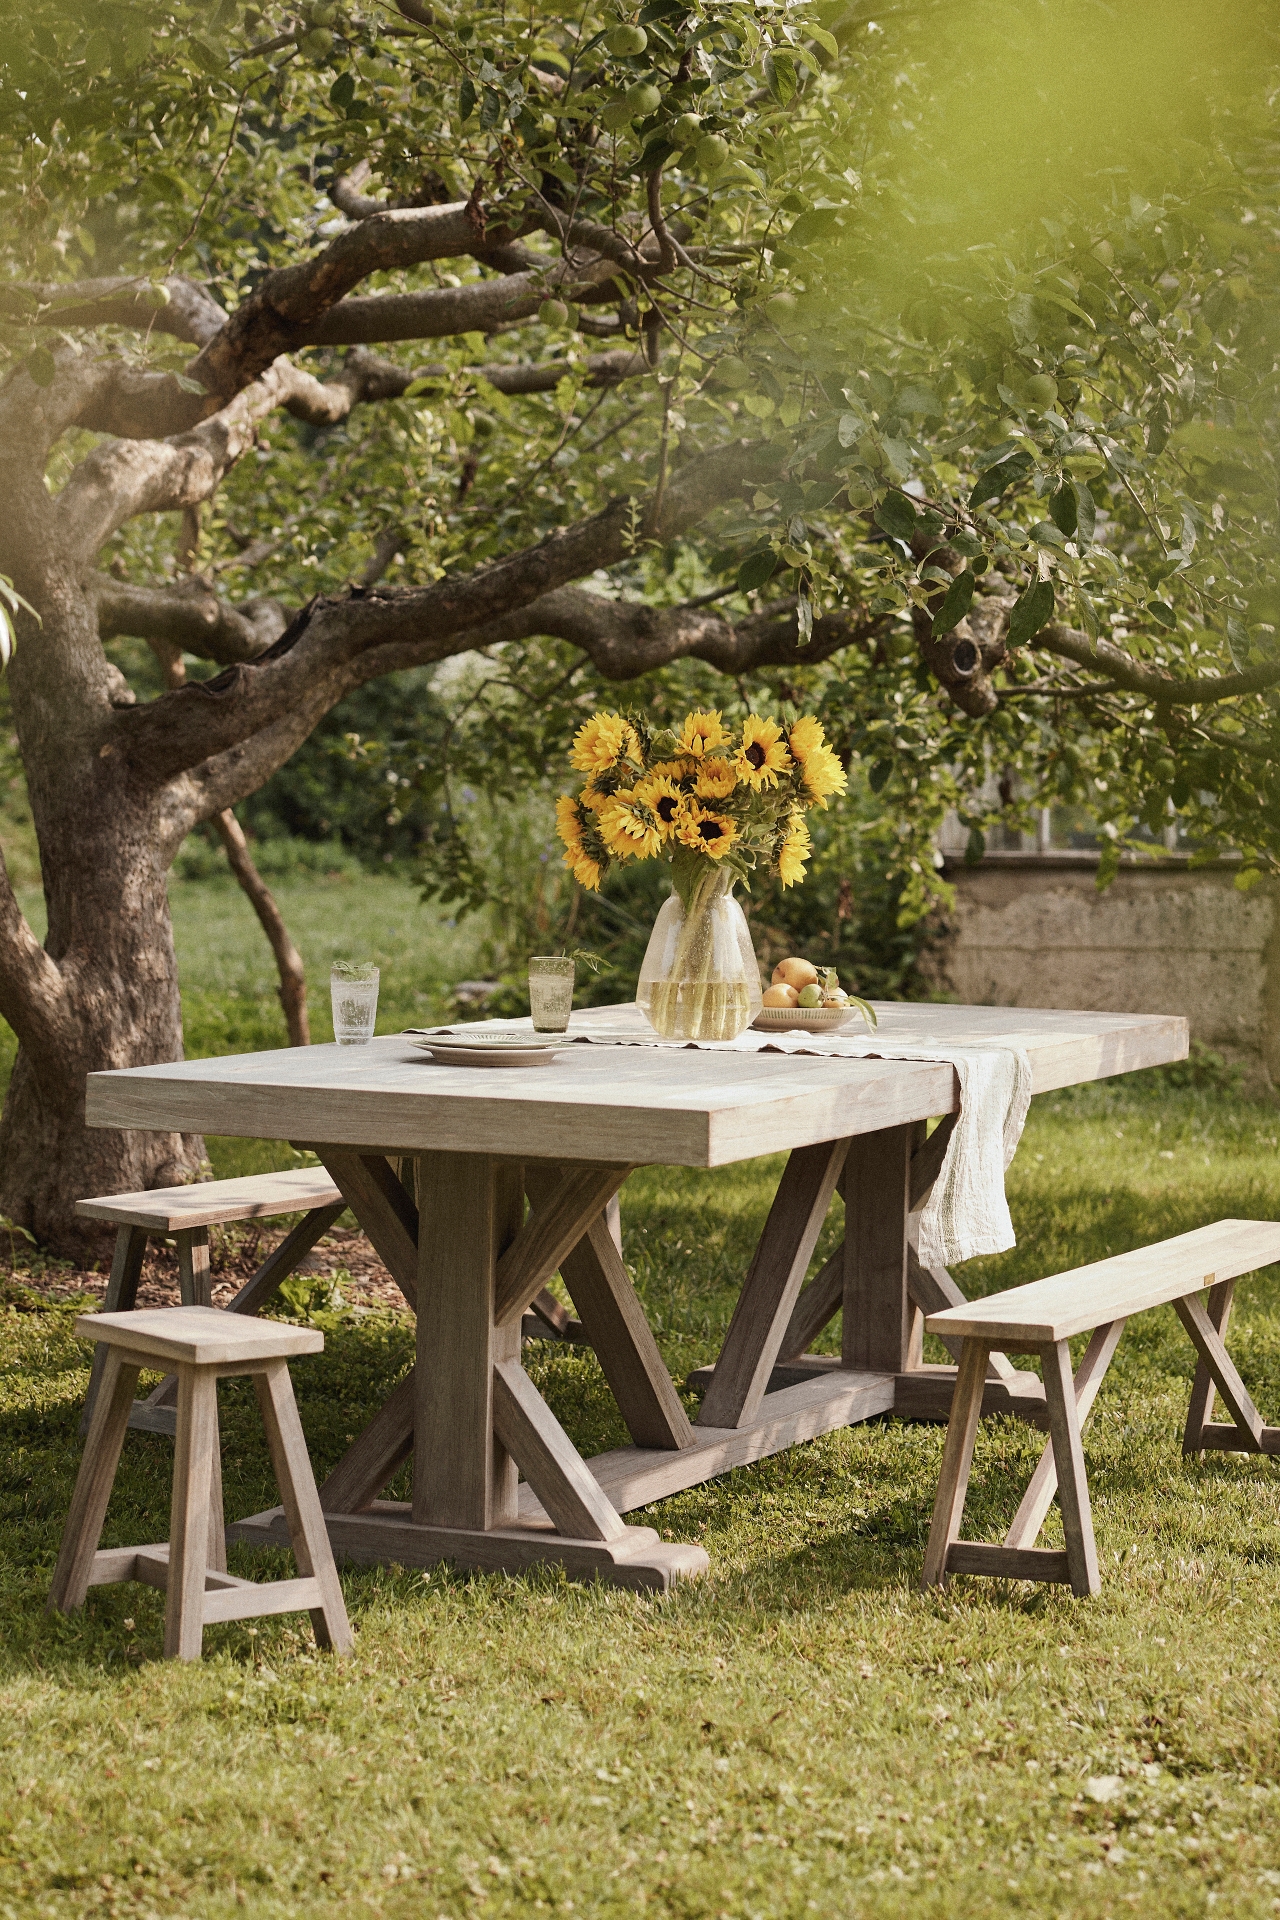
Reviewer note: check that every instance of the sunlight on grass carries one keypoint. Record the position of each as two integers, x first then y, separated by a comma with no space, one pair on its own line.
801,1732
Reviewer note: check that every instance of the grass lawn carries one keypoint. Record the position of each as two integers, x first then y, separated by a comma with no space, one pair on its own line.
802,1732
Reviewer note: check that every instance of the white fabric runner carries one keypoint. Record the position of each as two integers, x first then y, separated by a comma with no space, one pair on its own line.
967,1212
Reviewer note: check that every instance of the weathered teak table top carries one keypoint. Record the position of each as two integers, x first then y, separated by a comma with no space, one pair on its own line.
510,1170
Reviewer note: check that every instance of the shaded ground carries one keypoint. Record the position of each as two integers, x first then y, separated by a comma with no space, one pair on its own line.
343,1257
802,1732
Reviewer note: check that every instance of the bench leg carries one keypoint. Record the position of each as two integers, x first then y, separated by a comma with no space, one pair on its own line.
1068,1454
195,1285
1200,1410
196,1440
957,1458
93,1482
278,1265
308,1534
121,1297
1043,1484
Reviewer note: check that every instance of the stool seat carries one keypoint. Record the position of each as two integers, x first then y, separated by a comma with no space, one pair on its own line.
199,1336
202,1345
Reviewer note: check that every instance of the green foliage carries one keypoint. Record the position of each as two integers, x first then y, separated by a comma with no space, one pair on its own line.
960,283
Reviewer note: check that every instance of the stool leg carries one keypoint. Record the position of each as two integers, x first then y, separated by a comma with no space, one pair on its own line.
308,1535
957,1457
1068,1454
195,1287
121,1297
94,1482
196,1437
216,1553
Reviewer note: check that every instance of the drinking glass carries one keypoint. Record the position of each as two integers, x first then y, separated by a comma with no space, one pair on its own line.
550,992
353,988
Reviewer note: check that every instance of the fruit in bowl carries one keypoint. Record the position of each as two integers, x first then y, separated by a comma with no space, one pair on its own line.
798,983
795,973
781,995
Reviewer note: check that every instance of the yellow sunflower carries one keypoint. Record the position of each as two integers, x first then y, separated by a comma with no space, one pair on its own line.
602,741
707,831
594,796
763,754
629,828
701,733
582,864
659,792
716,780
820,770
682,770
794,851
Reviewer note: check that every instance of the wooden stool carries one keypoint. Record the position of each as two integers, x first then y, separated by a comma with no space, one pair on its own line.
185,1215
203,1345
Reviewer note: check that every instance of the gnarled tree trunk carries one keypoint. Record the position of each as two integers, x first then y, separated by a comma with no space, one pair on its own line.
105,991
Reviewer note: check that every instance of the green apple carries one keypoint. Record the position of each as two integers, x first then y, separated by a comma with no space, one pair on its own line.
626,41
643,98
811,996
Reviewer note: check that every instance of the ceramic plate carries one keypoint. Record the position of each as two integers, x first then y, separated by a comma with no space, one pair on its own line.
489,1049
802,1019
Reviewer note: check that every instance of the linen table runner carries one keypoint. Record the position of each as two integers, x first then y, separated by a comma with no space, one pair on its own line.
967,1211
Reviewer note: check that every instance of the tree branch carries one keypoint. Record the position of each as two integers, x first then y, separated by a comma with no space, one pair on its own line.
625,638
434,313
191,313
32,417
277,315
127,477
622,638
293,978
334,644
189,615
1153,683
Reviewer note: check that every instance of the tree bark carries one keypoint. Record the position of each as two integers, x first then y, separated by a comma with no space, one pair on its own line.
110,942
293,978
103,991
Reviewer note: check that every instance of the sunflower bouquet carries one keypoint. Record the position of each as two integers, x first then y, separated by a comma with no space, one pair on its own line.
717,803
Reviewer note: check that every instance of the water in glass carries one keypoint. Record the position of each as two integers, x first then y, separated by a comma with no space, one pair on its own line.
354,992
550,992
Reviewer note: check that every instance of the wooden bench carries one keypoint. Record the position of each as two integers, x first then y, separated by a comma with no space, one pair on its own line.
185,1215
1040,1319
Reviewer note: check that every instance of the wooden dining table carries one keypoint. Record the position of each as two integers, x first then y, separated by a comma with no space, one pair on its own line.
477,1185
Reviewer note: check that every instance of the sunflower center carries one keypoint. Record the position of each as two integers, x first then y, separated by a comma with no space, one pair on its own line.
756,755
710,829
667,809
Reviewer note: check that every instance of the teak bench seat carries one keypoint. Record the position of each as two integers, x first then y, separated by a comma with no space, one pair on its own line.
1041,1318
186,1214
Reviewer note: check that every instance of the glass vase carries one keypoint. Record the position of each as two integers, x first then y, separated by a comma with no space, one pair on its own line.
700,979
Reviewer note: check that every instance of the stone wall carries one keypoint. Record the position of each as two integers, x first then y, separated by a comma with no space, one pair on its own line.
1032,930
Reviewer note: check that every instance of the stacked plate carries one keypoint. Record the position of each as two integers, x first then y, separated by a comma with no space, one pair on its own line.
481,1049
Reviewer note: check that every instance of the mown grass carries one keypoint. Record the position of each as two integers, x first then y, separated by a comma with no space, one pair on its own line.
800,1732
